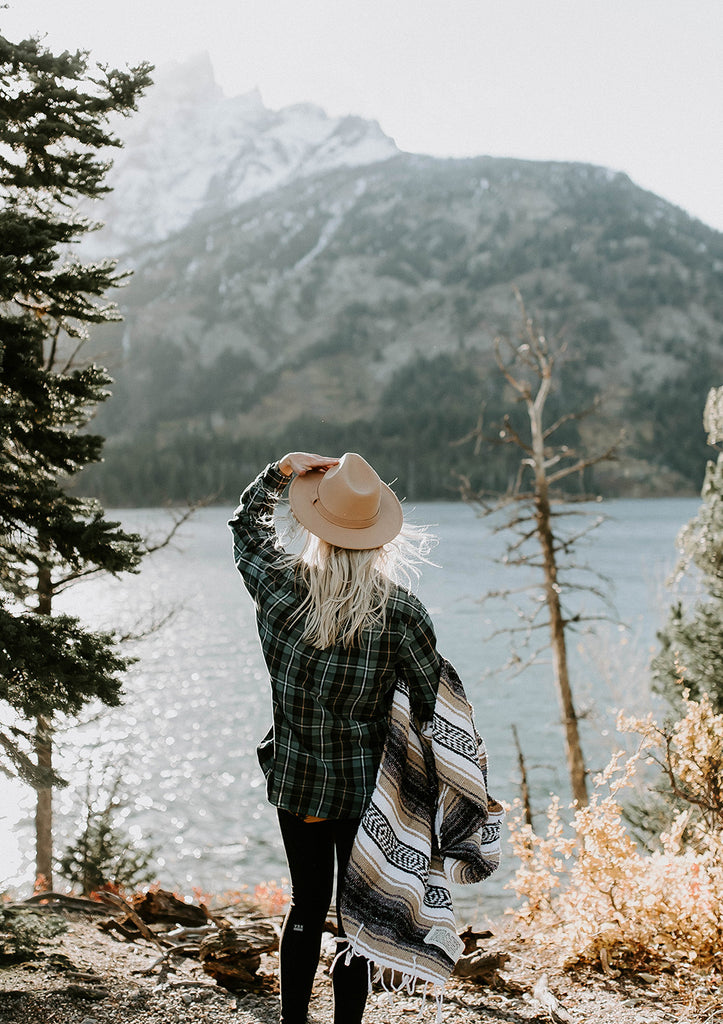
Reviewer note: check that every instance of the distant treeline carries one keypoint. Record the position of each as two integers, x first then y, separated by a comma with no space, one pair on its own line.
421,438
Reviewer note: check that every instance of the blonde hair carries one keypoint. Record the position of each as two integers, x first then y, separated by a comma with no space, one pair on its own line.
347,591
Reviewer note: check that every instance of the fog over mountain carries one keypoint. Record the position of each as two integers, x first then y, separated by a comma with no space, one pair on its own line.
300,282
191,152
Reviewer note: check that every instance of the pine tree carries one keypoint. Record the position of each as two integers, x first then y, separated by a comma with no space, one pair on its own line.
691,643
691,655
54,139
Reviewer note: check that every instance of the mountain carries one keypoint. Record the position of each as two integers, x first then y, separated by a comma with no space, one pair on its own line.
190,153
355,306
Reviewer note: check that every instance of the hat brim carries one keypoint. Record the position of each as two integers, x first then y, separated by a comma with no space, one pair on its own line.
303,492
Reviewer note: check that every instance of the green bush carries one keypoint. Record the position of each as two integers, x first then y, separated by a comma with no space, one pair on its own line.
23,930
102,854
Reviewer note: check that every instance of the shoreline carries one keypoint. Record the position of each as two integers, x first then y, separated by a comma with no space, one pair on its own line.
88,974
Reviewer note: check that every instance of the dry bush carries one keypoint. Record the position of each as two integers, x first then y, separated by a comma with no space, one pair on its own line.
594,895
270,899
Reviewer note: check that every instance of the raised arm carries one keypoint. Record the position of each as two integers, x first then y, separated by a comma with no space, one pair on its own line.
256,551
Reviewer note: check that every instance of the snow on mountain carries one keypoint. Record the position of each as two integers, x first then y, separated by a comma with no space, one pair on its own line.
190,151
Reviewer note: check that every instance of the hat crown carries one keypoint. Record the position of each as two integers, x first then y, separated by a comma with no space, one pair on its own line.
350,493
348,505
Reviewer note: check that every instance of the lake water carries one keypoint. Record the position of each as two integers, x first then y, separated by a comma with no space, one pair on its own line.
197,700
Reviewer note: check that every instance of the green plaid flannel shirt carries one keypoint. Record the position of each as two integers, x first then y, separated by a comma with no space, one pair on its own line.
329,706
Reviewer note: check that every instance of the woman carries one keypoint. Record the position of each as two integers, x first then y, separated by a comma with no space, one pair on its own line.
337,631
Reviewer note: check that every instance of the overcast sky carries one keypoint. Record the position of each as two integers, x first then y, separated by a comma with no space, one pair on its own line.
635,85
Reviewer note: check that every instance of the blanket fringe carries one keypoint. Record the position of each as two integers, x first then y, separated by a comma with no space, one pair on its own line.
377,972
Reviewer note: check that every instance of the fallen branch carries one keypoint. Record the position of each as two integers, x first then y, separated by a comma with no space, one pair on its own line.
140,924
179,950
605,962
60,901
232,959
186,933
480,967
550,1003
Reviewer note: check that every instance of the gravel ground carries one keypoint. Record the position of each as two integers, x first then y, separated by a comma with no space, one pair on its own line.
86,976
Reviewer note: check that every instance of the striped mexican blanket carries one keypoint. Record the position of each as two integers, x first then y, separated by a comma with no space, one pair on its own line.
430,822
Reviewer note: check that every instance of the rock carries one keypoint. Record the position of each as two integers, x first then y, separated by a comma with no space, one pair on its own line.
93,993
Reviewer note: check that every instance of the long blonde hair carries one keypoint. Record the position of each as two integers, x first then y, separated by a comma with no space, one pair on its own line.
347,591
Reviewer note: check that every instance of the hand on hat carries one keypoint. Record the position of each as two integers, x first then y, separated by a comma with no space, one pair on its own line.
302,462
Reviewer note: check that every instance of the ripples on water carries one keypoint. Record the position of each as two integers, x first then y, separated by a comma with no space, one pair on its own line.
197,700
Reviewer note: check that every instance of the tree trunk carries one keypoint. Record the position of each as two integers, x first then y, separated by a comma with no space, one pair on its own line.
524,785
44,807
573,746
44,757
543,525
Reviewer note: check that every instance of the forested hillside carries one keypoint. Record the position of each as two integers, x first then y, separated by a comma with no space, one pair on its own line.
356,308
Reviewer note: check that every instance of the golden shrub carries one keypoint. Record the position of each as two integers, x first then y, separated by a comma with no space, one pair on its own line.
590,891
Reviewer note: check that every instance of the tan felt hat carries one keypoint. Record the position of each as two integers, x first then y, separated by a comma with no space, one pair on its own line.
348,505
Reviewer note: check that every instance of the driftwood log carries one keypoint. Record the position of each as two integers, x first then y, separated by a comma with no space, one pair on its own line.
60,901
143,910
163,907
480,967
232,958
132,918
472,937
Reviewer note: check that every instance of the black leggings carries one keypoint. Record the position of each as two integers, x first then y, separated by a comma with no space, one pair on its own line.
310,849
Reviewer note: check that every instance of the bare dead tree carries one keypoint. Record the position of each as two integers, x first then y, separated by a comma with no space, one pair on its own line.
532,508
